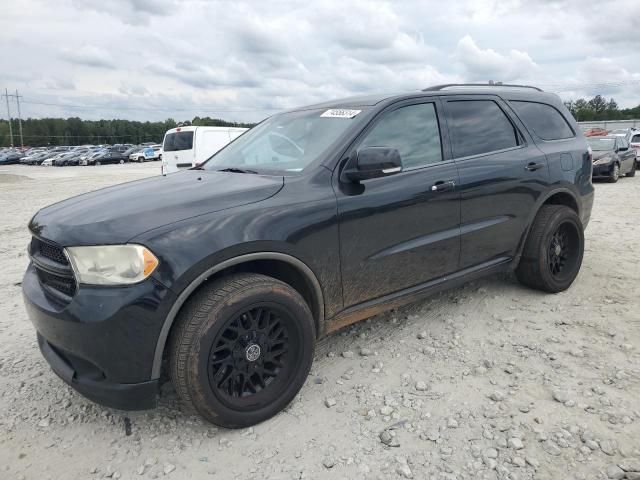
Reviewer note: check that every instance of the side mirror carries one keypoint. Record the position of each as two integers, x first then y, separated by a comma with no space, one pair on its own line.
623,149
373,162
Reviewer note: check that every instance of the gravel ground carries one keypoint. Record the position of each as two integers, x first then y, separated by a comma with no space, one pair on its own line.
490,380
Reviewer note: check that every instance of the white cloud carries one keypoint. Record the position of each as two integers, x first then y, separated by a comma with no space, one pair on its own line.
88,56
487,64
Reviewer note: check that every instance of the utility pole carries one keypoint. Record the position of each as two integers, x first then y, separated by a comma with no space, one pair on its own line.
6,95
19,119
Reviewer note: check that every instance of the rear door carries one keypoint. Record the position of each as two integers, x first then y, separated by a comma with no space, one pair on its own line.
177,150
502,174
402,230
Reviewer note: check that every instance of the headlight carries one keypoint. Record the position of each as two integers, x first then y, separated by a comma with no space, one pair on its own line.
603,161
112,264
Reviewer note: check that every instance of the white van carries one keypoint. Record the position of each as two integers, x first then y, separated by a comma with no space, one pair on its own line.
185,147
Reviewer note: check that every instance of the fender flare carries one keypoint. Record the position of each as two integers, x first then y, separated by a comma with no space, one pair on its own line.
186,293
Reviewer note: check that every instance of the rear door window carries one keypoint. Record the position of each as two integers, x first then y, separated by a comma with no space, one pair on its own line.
178,141
479,126
545,121
635,139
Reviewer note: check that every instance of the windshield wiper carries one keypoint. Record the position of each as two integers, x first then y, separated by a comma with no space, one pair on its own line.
237,170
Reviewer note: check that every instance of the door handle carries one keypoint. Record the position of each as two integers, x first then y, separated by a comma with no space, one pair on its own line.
442,186
533,166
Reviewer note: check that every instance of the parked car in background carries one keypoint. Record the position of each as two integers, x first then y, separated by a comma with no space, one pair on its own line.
595,132
10,157
111,155
634,142
186,147
90,159
132,153
612,157
225,276
73,158
148,153
33,157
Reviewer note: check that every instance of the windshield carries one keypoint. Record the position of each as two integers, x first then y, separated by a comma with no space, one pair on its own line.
601,144
287,142
178,141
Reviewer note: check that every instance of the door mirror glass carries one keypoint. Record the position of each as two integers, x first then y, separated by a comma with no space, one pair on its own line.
374,162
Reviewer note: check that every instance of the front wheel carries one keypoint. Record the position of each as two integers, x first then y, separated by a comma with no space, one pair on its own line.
121,162
98,163
241,349
614,175
632,172
553,252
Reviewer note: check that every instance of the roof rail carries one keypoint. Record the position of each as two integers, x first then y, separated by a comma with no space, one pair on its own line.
447,85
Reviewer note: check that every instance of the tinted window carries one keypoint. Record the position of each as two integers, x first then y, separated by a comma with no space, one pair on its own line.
547,122
178,141
635,139
479,126
413,131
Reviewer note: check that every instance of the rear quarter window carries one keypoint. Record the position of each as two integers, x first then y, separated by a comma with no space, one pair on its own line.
545,121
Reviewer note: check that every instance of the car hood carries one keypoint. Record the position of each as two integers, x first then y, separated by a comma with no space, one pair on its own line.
117,214
599,155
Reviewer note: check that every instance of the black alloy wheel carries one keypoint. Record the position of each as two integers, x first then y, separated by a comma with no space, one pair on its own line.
563,251
241,349
553,252
252,355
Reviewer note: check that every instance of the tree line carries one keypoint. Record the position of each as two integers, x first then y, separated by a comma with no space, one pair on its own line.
39,132
599,108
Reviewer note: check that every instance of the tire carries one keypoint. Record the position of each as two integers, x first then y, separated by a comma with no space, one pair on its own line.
632,172
221,340
160,157
141,159
614,176
553,251
121,162
98,163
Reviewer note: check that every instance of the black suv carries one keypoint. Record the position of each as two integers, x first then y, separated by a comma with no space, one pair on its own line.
312,220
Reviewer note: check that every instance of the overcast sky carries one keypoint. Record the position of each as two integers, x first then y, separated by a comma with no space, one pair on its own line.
154,59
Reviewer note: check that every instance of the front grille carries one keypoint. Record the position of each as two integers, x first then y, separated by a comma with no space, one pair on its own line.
52,252
53,270
62,284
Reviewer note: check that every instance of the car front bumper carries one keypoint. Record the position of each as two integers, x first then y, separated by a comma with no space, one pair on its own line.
102,343
602,170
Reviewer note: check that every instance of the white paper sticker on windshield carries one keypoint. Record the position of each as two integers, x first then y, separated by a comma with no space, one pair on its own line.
340,113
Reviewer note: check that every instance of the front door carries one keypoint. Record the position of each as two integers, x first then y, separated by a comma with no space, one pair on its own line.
401,230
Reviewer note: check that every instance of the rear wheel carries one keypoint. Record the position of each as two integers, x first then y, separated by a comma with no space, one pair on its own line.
241,349
121,161
614,175
553,252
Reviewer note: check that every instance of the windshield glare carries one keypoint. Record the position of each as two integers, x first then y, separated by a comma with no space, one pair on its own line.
287,142
601,144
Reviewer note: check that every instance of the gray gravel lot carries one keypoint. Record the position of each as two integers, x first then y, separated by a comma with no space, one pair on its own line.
490,380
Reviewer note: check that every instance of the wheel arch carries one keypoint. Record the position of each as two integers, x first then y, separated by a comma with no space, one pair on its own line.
557,196
282,266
